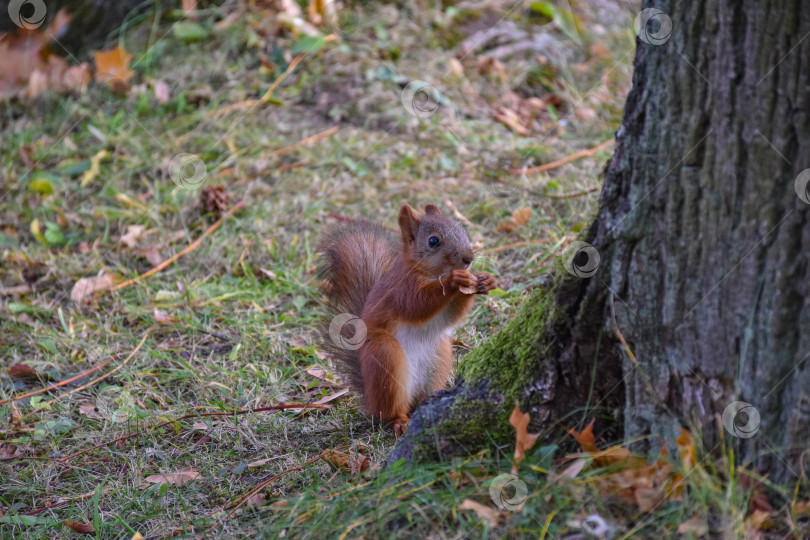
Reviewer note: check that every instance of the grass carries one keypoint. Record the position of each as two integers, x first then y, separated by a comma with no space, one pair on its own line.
231,325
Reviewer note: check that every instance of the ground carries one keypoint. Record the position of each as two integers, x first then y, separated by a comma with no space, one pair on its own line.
231,324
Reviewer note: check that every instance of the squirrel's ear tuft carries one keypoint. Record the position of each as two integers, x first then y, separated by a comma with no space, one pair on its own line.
408,222
432,209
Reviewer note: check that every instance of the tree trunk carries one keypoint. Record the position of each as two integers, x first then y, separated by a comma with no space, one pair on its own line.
703,239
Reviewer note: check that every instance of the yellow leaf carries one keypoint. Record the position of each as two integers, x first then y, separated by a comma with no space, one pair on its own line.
35,230
95,166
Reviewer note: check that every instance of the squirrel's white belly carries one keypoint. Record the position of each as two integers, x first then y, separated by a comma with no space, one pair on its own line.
420,343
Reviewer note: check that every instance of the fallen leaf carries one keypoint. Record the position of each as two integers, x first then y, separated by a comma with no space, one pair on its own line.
585,438
519,218
354,461
95,167
255,499
112,69
85,287
77,526
152,254
696,525
9,451
175,478
485,513
161,317
162,92
332,397
133,234
137,536
22,371
523,439
574,469
89,410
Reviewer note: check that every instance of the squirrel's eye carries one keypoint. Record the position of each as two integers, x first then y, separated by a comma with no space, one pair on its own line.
433,241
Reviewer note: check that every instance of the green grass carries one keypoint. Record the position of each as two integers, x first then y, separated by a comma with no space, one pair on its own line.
244,305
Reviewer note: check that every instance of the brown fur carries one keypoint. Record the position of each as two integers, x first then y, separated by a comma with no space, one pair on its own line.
393,286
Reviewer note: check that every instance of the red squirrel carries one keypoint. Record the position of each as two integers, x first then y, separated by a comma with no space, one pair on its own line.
409,293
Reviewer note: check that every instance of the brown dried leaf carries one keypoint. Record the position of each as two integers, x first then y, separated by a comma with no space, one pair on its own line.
133,235
332,397
694,524
574,469
484,513
85,287
176,478
354,461
89,410
79,527
9,451
22,371
161,317
519,218
523,439
255,499
152,254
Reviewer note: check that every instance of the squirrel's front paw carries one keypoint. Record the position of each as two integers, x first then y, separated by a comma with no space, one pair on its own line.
464,281
401,426
486,282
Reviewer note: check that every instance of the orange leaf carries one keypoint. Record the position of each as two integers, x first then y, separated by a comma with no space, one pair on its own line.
585,438
523,439
79,527
112,69
686,449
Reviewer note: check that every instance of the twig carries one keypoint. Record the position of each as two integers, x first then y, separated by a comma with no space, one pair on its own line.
573,195
267,95
194,415
459,216
61,383
311,139
116,368
563,161
241,500
191,247
516,244
288,166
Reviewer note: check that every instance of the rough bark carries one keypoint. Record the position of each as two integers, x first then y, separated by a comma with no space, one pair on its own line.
704,249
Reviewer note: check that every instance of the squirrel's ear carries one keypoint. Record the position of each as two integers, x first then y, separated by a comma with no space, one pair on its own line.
432,209
408,222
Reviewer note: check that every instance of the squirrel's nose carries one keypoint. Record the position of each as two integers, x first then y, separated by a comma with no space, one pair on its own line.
467,258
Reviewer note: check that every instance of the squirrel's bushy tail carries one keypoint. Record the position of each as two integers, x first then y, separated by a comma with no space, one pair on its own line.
353,258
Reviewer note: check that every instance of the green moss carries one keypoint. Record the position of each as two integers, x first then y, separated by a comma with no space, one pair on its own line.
506,358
